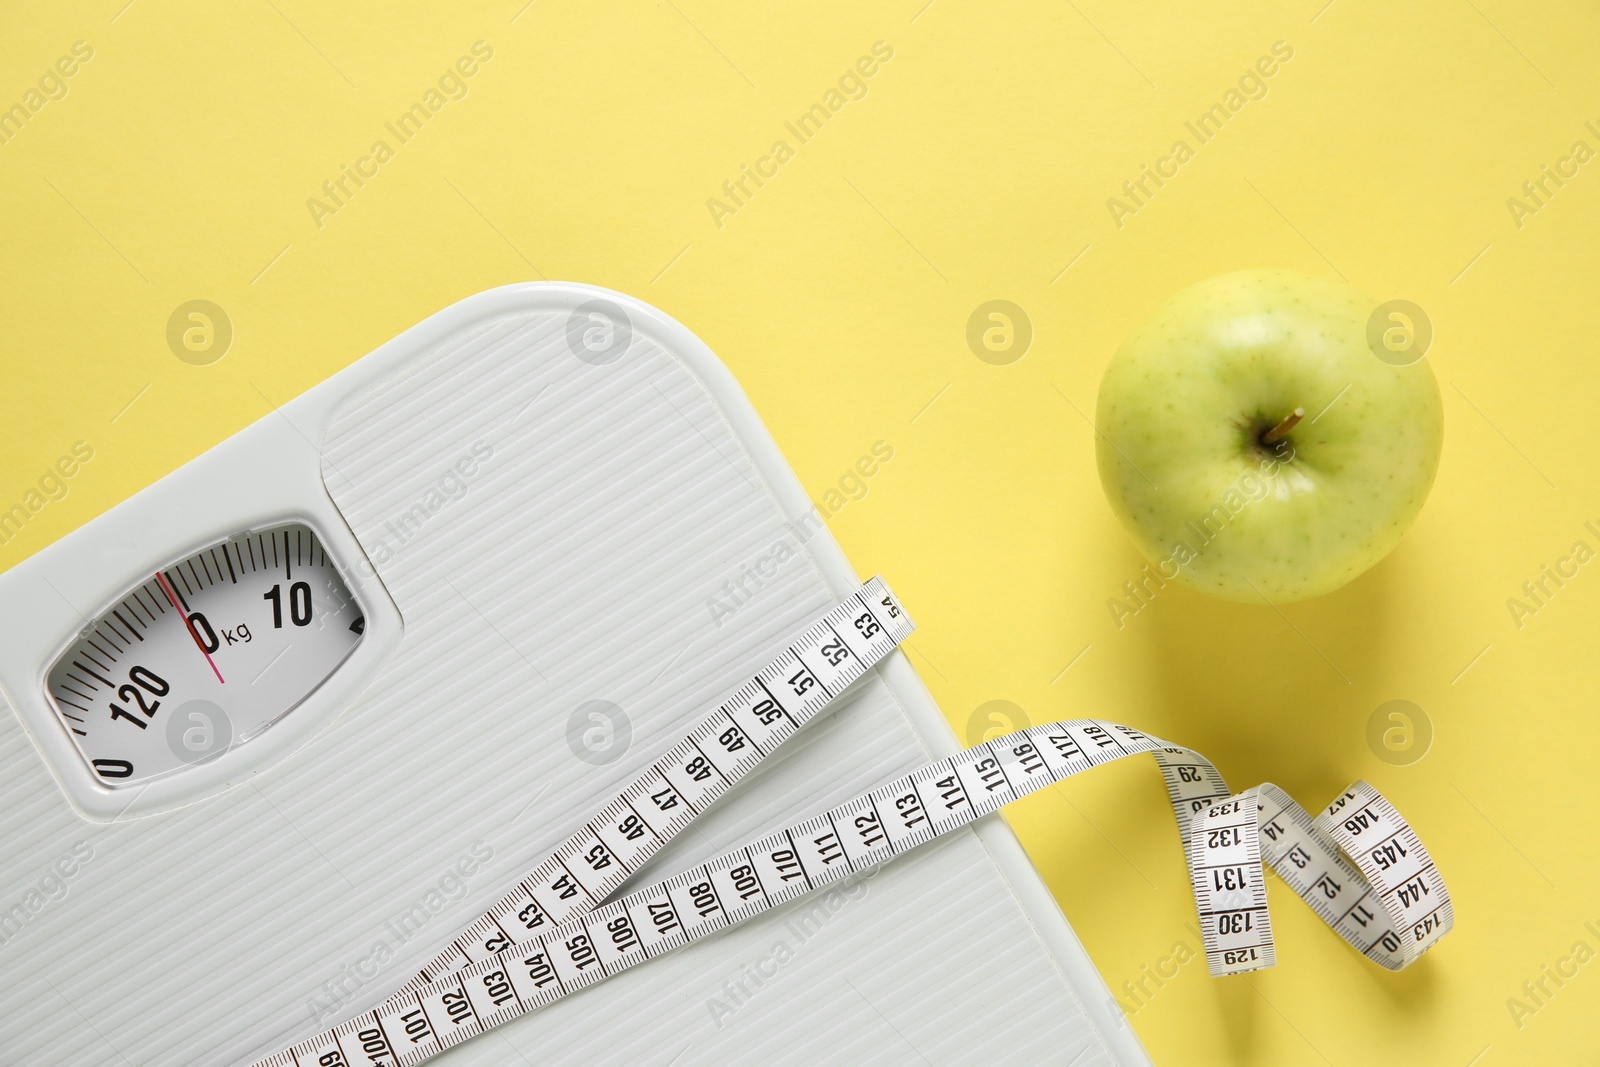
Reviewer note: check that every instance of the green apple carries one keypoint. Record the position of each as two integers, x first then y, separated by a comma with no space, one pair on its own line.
1256,446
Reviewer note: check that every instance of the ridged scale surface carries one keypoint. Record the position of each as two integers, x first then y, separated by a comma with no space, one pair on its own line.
577,565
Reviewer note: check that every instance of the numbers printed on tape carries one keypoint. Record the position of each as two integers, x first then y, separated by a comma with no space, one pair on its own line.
716,753
1357,865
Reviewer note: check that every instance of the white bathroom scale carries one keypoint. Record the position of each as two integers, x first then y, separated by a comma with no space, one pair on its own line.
288,720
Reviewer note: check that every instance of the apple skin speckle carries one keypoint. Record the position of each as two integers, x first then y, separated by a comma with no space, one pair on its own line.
1183,404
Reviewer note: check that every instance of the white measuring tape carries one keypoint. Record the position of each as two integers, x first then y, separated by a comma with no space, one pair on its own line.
1358,864
722,748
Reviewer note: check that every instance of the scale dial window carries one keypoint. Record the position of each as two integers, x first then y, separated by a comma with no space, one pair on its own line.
205,654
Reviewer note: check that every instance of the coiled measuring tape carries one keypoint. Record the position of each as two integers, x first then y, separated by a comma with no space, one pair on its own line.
1358,865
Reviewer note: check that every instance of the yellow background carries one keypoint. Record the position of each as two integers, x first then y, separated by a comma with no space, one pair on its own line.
977,166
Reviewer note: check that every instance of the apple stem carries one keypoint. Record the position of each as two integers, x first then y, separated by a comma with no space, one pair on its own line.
1280,431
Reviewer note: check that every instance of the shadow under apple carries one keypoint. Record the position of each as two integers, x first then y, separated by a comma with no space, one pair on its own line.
1275,693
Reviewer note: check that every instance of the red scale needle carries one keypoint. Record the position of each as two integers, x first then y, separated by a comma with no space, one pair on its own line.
201,645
